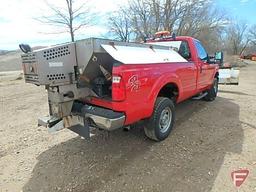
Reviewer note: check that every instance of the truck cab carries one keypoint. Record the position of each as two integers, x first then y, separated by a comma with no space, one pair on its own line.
192,50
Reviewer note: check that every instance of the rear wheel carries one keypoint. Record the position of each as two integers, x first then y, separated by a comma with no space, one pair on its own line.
159,125
212,92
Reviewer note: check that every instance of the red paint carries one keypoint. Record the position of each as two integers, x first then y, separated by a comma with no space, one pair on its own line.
141,83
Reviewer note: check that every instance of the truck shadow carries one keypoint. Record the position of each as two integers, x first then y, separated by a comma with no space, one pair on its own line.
188,160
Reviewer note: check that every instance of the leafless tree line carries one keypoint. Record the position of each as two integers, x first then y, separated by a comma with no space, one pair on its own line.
143,18
196,18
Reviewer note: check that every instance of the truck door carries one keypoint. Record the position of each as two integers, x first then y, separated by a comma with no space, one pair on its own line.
205,70
188,79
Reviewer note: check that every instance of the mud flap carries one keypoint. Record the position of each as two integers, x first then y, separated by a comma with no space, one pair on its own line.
82,130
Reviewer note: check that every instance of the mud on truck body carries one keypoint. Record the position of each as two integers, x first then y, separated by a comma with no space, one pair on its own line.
109,84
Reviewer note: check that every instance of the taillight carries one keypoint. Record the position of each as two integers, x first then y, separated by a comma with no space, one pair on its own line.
118,88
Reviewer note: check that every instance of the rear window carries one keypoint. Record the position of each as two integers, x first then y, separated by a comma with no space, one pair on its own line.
179,46
175,45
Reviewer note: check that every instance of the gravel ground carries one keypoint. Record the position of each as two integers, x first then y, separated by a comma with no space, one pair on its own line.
209,141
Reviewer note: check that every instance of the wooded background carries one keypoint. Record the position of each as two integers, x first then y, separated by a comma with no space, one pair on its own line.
142,18
196,18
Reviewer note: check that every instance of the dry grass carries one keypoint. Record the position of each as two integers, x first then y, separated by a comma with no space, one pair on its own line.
10,61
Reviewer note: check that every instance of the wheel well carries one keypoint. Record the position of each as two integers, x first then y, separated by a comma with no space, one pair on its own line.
170,91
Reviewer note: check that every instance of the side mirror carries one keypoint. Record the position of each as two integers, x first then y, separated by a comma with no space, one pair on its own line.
219,56
211,60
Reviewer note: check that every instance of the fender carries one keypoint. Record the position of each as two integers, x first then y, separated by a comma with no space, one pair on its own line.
216,70
163,80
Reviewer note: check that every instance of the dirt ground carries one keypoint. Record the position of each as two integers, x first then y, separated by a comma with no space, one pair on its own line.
209,141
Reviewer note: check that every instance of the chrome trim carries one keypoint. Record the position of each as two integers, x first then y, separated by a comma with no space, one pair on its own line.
106,123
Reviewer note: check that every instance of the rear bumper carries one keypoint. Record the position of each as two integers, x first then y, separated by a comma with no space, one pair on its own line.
96,116
100,117
106,123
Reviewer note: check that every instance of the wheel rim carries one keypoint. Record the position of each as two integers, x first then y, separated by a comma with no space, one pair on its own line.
165,119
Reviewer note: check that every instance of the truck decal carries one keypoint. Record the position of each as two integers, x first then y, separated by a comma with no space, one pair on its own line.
134,83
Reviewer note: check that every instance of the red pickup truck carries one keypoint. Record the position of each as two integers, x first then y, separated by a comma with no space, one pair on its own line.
137,91
161,86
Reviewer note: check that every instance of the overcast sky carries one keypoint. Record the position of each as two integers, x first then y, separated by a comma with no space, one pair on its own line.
17,23
18,26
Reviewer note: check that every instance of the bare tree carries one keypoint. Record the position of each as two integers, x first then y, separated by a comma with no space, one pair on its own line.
120,25
70,18
191,17
252,34
250,41
237,37
142,18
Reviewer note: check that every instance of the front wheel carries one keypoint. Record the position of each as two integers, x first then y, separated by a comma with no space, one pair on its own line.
159,125
212,92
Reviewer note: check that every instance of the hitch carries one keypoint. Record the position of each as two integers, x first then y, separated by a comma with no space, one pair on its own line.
79,125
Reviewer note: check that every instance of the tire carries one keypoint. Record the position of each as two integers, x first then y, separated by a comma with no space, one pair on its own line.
160,124
212,92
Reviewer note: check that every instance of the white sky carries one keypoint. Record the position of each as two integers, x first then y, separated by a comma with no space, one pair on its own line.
18,26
